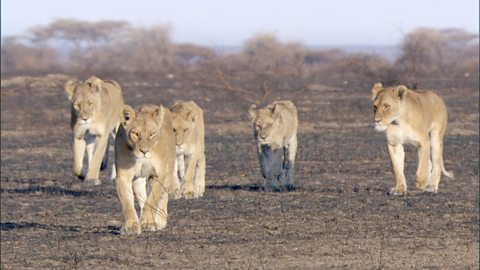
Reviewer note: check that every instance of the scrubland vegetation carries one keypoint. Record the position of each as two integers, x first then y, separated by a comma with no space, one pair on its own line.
116,47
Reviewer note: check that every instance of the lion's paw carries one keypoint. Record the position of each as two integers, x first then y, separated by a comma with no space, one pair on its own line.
188,193
92,182
153,226
421,184
396,191
430,188
131,228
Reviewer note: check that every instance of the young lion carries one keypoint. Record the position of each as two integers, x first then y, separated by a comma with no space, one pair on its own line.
188,126
95,112
417,118
275,130
145,149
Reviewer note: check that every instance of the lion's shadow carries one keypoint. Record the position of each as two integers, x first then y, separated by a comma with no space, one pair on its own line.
8,226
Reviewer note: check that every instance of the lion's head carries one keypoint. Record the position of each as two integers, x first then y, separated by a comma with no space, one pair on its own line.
142,127
85,98
387,105
265,122
183,121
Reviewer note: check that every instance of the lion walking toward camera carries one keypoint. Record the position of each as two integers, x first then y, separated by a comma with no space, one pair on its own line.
275,130
417,118
95,113
145,157
189,130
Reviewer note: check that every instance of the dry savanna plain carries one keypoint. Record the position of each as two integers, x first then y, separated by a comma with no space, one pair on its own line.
338,217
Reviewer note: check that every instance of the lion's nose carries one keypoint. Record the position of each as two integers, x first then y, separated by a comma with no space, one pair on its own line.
143,151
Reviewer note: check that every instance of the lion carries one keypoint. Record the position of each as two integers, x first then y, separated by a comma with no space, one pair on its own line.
145,150
275,131
95,113
188,127
417,118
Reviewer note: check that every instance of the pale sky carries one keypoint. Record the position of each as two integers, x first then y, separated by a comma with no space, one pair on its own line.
224,22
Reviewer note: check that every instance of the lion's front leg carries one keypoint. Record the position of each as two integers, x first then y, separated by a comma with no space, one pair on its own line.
271,162
154,216
175,182
78,154
140,191
95,162
397,157
188,189
126,197
423,164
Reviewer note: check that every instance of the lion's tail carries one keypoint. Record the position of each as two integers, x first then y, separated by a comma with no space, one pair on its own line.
448,174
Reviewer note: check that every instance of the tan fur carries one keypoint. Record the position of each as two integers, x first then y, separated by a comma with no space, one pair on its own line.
145,151
188,126
95,113
417,118
276,125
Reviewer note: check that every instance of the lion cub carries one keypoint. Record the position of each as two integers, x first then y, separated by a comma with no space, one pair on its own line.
188,126
275,130
95,113
145,150
417,118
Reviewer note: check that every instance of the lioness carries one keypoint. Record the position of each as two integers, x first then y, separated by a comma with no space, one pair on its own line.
95,113
275,130
188,126
145,150
417,118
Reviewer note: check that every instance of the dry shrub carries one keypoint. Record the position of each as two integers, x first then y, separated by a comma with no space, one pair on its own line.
264,53
431,53
21,58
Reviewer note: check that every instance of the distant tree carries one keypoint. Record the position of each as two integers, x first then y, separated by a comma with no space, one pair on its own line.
78,33
142,50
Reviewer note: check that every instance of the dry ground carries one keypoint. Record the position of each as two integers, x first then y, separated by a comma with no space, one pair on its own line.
339,217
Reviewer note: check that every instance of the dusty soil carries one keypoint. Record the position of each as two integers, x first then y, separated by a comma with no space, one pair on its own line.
338,217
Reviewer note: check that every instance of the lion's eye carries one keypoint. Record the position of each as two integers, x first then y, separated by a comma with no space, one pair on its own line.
76,106
153,135
386,106
90,103
374,108
185,130
134,134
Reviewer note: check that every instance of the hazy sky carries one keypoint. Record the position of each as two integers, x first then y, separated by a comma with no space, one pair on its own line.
223,22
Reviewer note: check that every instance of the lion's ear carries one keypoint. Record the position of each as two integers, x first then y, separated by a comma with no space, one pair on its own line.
94,83
128,113
400,91
158,114
376,89
70,88
253,111
191,116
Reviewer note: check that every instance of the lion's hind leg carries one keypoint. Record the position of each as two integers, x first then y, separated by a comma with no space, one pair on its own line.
436,140
199,180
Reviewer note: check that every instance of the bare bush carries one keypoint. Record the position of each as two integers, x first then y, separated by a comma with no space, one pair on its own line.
265,53
17,57
431,53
